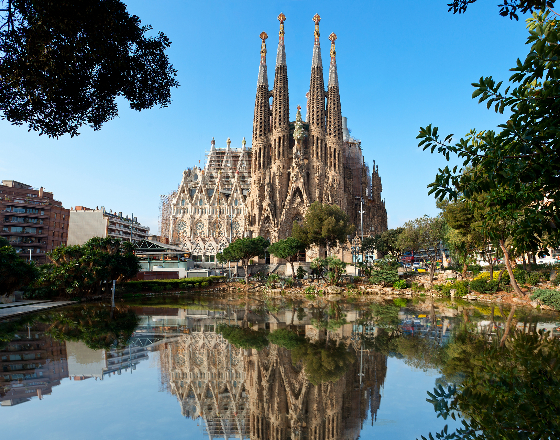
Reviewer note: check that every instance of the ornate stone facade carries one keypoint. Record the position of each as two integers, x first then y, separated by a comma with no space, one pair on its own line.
298,163
209,210
262,395
291,165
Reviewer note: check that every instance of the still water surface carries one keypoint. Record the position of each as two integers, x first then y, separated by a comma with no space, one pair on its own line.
177,378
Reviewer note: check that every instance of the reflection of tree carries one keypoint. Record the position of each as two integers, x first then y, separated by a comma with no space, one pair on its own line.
243,337
323,361
511,393
98,326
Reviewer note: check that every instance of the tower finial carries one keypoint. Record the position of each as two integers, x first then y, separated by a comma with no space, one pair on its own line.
263,36
332,37
317,19
281,19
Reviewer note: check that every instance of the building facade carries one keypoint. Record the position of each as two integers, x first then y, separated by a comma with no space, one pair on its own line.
33,222
292,164
86,223
209,209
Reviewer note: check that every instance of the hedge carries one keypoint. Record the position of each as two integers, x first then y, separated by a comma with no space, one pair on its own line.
161,285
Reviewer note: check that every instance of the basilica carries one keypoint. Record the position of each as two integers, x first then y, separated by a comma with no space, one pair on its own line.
264,189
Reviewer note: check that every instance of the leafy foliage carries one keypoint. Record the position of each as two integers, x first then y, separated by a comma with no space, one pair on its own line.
64,63
507,8
549,297
323,361
243,249
286,338
511,392
243,337
78,271
323,225
98,326
14,271
515,169
331,268
288,249
384,273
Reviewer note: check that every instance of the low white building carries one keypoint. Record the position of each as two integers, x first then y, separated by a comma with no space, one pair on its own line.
86,223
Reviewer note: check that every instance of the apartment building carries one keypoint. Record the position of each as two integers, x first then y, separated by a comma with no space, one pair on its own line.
32,220
86,223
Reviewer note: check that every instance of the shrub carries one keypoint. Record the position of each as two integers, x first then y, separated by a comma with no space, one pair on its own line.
400,302
549,297
400,284
310,296
417,287
483,285
300,273
462,287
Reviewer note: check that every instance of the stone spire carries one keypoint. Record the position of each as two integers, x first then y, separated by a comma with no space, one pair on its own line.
281,52
333,75
263,78
316,61
280,101
261,121
334,114
316,101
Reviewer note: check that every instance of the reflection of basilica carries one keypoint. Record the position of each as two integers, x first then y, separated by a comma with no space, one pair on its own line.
262,395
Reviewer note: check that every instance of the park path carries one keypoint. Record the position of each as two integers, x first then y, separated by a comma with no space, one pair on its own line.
20,308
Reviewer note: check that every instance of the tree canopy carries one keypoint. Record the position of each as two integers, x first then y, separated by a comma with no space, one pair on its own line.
15,272
507,8
78,271
64,63
288,249
517,167
243,249
323,225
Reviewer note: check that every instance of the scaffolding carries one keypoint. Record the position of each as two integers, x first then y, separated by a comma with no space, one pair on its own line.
164,219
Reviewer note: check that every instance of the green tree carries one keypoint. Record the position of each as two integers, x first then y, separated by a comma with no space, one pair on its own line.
288,249
385,243
514,170
64,63
286,338
86,270
100,327
323,361
15,272
426,234
462,236
507,8
511,392
323,225
243,337
243,249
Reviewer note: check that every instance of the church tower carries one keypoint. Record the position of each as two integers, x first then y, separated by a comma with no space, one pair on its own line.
334,157
316,118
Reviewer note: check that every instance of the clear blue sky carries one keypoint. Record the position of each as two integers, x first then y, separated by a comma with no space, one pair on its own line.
401,65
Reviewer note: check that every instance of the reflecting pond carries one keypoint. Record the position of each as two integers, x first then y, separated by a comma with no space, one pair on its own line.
186,367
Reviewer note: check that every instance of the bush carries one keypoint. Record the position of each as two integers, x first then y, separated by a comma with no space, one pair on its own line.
417,287
400,302
462,287
549,297
400,284
300,273
161,285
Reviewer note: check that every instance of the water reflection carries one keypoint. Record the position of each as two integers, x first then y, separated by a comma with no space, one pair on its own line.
268,371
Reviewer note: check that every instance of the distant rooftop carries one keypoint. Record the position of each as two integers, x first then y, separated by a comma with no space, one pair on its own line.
15,184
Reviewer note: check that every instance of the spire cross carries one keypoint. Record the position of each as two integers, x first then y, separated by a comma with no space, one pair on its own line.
317,19
299,107
263,36
332,37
